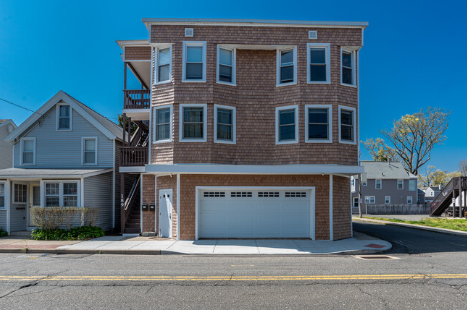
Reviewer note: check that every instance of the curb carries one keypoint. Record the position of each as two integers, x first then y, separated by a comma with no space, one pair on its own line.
54,251
420,227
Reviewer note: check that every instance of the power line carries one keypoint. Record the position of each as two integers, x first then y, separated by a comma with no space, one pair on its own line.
17,105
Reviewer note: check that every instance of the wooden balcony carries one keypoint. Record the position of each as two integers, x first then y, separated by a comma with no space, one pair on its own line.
134,156
136,99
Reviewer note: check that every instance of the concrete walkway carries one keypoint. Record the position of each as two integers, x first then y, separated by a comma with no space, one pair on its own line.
360,244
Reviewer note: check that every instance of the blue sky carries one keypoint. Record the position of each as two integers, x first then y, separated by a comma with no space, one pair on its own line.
414,54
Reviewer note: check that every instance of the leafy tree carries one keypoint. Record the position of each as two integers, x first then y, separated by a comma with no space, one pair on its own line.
412,138
436,177
133,125
379,151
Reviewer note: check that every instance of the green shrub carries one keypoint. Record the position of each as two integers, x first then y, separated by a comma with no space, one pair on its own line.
3,233
76,233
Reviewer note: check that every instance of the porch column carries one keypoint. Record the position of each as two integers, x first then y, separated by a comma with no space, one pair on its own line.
178,206
331,224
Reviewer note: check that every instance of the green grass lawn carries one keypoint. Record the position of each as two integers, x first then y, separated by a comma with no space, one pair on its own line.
455,224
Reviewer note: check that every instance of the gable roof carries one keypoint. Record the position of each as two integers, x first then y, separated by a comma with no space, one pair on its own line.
104,125
385,170
7,121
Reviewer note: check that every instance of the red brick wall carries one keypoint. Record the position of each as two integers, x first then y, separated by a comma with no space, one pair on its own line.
341,208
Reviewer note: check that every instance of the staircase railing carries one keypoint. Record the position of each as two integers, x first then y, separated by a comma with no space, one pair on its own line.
439,201
129,202
134,156
136,99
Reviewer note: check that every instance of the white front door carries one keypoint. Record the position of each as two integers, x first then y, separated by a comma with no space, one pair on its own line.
34,200
165,213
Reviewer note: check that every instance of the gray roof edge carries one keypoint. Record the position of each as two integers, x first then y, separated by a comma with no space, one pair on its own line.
255,21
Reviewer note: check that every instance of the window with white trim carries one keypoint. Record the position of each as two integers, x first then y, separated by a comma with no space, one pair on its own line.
378,184
412,185
387,200
63,117
89,147
28,151
163,65
20,193
355,202
287,66
163,124
348,67
287,124
58,194
2,195
347,126
224,124
400,184
318,119
226,65
194,62
409,199
193,120
319,63
369,199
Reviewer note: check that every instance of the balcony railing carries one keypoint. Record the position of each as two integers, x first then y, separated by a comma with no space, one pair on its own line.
136,99
134,156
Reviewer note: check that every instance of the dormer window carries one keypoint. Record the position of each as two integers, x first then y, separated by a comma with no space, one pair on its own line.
63,117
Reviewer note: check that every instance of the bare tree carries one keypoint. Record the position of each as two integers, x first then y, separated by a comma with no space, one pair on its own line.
463,167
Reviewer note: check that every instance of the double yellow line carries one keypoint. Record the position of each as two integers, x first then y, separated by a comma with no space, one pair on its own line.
237,278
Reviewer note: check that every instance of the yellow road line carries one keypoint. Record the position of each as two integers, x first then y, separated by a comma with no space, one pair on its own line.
237,278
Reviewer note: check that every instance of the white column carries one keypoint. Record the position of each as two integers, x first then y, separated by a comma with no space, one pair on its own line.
141,203
156,201
178,206
331,230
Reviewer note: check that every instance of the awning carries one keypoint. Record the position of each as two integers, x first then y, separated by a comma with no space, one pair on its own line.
21,173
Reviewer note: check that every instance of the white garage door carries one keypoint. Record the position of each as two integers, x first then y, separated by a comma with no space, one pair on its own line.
254,213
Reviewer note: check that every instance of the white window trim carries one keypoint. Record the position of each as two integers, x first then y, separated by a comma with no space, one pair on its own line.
318,106
397,186
415,187
381,183
21,147
4,195
57,110
61,191
234,124
354,125
411,200
278,67
387,200
355,199
154,115
369,199
82,151
156,65
278,109
194,43
14,195
205,121
327,53
354,68
234,65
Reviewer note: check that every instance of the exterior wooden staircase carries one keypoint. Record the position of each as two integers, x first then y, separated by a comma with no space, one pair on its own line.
131,213
453,189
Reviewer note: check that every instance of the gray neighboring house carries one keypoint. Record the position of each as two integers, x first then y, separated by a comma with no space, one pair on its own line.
6,127
388,189
431,193
64,154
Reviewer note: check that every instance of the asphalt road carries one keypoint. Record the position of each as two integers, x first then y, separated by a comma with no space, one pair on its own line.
429,272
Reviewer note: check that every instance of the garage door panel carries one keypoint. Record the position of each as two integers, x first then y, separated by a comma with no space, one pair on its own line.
246,213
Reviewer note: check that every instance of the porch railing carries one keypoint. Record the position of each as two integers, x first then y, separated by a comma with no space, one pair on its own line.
136,99
134,156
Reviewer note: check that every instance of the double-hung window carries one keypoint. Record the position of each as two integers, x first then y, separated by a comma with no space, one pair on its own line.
193,122
163,67
318,123
369,199
89,149
194,62
287,66
226,65
348,76
162,124
319,63
378,184
287,124
409,199
58,194
400,184
225,123
2,195
387,200
63,117
28,151
347,128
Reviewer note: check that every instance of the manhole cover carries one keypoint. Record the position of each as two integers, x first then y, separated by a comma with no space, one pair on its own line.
375,257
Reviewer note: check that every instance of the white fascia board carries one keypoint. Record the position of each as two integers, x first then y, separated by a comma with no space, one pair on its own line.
252,22
10,121
252,169
137,169
123,43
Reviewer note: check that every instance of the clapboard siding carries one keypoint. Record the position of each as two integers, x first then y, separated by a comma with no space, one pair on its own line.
118,146
98,194
3,218
6,148
62,149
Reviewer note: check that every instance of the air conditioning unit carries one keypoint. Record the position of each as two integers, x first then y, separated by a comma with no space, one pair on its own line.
313,35
188,32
